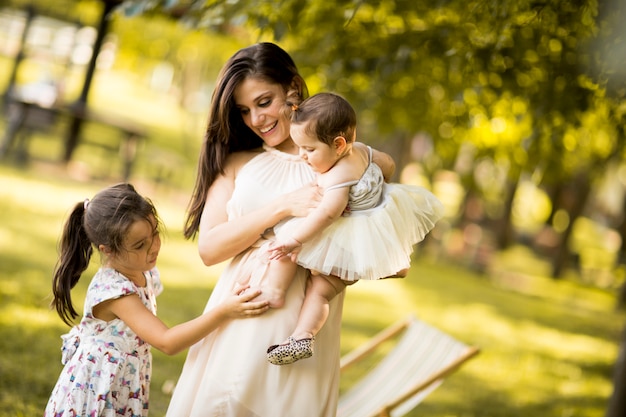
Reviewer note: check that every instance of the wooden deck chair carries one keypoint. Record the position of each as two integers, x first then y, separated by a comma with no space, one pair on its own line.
422,357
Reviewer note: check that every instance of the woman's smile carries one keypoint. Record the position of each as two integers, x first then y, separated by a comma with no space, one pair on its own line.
267,129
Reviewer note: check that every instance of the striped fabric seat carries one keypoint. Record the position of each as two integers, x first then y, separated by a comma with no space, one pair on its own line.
422,357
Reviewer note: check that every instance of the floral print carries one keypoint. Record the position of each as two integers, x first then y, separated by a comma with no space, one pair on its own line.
107,366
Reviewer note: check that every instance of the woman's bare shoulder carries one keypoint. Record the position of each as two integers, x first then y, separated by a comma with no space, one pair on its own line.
238,159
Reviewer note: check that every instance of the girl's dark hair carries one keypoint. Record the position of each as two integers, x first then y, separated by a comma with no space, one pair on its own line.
104,220
330,115
226,132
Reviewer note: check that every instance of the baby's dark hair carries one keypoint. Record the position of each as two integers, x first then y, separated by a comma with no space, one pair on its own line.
331,116
104,220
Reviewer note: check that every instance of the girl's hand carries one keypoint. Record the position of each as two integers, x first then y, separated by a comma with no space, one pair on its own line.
240,304
301,201
277,249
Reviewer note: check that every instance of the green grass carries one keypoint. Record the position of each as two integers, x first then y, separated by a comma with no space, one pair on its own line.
547,347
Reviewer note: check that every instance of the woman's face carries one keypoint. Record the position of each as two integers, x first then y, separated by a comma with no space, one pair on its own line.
261,105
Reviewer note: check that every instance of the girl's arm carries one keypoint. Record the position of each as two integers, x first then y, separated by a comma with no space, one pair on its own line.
172,340
220,239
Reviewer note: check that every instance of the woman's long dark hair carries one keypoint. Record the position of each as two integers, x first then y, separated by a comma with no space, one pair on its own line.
226,132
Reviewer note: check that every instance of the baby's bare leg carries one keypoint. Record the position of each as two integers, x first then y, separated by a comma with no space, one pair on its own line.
313,314
315,308
280,274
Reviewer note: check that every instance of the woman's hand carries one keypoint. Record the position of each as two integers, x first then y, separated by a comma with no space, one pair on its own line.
301,201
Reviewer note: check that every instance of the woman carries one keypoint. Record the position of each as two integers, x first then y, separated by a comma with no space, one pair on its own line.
250,177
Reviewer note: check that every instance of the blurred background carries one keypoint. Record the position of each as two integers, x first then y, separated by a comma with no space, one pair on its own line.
512,112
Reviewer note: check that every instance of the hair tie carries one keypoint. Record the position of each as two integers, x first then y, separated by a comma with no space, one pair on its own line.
85,203
294,107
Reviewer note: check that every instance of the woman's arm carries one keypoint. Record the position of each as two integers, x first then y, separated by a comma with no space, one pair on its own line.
220,239
385,162
172,340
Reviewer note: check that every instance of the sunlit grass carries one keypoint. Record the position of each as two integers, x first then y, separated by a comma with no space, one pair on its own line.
547,347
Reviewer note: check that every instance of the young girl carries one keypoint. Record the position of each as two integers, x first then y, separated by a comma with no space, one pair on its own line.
107,356
362,229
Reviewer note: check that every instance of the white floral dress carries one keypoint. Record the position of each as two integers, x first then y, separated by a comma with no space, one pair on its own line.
107,366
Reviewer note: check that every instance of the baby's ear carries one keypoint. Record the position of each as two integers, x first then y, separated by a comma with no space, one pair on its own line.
340,143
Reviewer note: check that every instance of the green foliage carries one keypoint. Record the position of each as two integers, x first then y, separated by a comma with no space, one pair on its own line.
520,78
513,76
85,12
524,81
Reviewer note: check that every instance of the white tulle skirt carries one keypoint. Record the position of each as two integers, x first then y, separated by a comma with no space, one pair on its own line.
374,243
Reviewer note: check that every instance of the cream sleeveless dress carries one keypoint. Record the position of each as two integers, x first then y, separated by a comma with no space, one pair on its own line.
227,374
375,237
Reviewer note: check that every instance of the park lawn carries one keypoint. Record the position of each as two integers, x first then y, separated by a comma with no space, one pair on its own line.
547,347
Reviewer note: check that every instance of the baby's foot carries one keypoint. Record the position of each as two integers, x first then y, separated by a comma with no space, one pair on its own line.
275,296
291,351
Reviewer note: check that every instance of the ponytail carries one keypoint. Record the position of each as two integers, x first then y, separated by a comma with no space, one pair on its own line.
75,251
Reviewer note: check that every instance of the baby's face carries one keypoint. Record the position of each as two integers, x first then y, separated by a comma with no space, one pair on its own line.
320,156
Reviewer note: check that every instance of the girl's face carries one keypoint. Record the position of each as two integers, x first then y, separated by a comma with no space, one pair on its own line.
320,156
261,105
140,250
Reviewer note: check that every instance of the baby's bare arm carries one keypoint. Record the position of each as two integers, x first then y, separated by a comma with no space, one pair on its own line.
330,208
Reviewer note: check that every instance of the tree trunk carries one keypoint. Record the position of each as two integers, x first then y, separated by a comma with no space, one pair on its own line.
30,15
554,192
617,402
504,231
578,193
621,256
80,105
